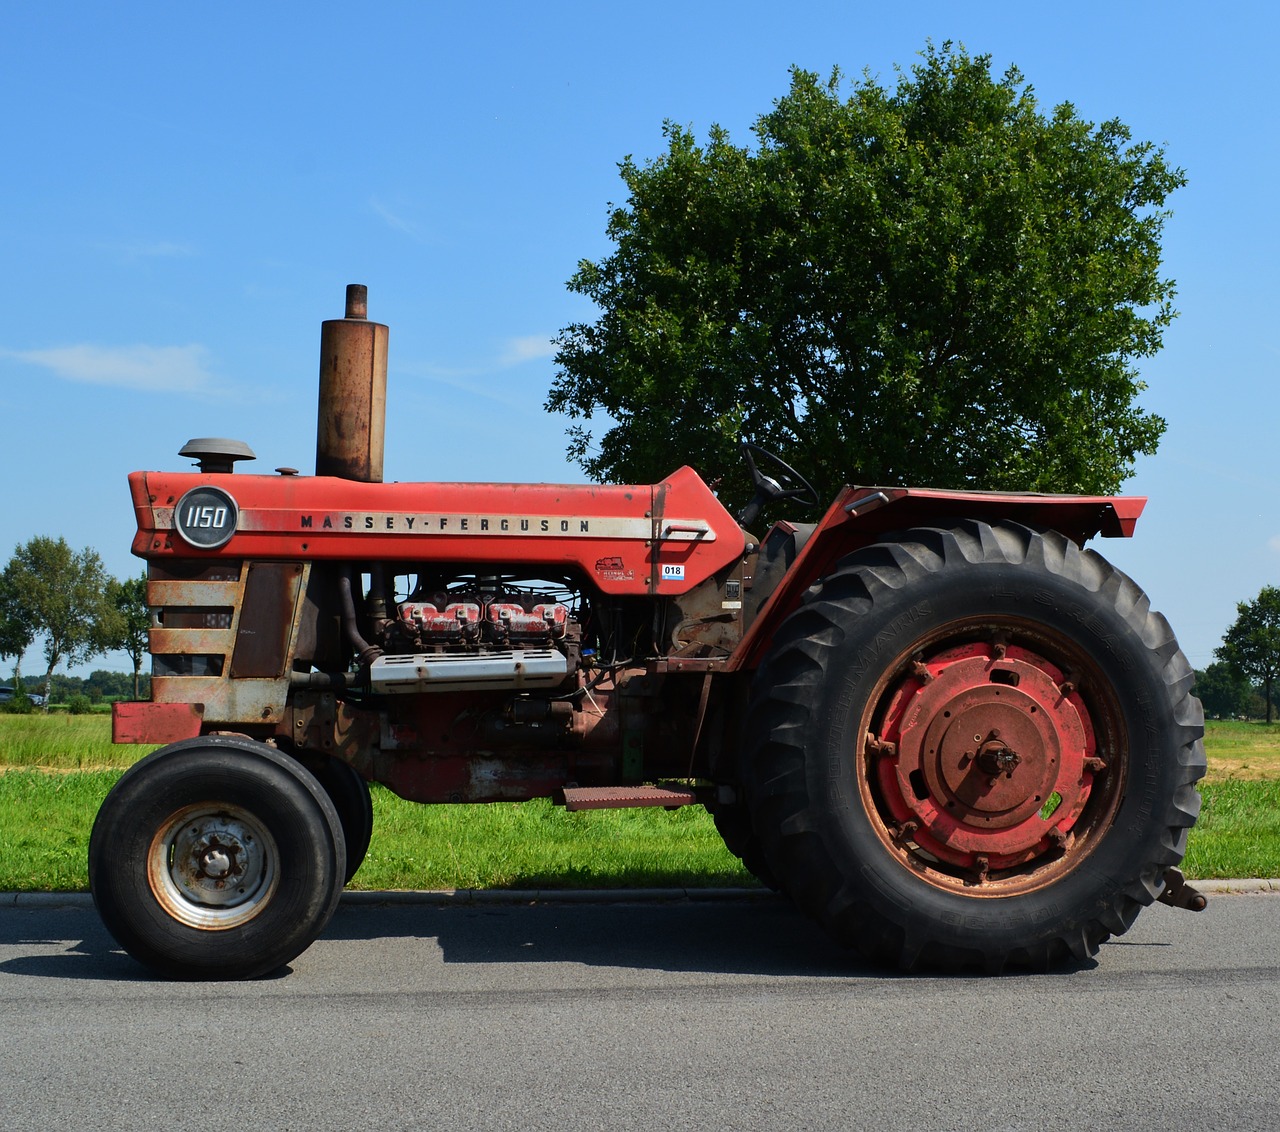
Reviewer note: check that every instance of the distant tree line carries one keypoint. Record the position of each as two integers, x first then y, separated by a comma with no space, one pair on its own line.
1244,680
65,600
98,687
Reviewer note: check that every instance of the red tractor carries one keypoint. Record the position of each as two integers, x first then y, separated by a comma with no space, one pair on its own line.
945,730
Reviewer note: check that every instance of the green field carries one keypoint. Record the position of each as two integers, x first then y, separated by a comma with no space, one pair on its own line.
1242,751
59,741
58,768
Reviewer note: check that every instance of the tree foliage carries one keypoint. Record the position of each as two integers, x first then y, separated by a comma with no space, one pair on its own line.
15,633
1225,692
61,596
133,621
1252,645
934,283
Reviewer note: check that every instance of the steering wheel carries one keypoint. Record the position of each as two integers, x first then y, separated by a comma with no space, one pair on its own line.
785,483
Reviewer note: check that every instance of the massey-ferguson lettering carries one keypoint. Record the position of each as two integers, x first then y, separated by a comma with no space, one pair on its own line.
948,732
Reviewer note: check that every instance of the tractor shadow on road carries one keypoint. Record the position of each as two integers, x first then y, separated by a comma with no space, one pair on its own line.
84,948
760,937
757,937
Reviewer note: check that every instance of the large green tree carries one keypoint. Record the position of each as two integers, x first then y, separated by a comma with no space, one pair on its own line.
936,283
1252,645
63,597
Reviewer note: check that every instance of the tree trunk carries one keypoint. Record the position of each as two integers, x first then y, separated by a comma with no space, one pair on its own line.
48,686
137,664
1266,683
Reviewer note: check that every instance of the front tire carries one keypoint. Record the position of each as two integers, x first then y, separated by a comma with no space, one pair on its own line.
972,747
216,858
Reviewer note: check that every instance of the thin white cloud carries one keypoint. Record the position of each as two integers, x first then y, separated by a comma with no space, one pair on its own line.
150,369
457,379
158,249
395,221
526,349
469,379
1274,543
513,352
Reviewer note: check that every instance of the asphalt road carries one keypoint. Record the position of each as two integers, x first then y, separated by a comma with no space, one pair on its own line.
733,1015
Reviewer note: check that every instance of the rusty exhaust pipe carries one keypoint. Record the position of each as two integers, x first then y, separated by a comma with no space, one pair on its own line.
352,416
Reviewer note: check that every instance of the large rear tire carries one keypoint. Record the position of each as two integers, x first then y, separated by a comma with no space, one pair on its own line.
349,794
733,823
216,858
972,747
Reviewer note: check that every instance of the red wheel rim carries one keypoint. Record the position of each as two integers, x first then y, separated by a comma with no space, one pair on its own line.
987,760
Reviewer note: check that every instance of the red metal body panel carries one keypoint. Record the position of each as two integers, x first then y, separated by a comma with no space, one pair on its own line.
660,538
860,515
154,723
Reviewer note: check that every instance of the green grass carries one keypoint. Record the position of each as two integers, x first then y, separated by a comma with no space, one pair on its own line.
536,845
46,815
1239,749
44,835
44,828
1238,834
59,741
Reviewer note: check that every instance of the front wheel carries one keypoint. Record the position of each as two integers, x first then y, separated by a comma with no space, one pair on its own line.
974,746
216,858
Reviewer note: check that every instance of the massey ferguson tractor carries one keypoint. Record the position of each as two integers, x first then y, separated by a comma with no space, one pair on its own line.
932,719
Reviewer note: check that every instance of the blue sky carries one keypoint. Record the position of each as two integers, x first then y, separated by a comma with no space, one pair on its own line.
185,192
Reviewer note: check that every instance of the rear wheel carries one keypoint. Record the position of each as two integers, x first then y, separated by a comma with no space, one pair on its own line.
974,746
733,823
349,794
216,858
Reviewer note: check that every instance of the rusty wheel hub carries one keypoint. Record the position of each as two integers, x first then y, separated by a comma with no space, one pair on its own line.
985,759
212,866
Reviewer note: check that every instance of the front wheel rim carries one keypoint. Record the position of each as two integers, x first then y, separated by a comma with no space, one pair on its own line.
213,866
993,759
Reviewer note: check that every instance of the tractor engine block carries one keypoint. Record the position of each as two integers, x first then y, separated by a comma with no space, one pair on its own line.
454,619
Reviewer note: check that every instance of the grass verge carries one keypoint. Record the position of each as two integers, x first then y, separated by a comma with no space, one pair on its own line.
538,845
59,741
1238,834
44,828
44,836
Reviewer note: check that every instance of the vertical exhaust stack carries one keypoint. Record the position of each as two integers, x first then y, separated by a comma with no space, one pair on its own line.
353,393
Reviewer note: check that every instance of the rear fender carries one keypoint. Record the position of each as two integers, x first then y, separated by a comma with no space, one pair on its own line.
863,515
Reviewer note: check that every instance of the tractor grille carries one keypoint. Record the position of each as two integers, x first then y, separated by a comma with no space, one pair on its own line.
221,634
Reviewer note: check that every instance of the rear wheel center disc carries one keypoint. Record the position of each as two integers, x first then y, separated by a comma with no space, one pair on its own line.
991,749
990,756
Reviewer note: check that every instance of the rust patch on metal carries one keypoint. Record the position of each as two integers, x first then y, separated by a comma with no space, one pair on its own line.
266,618
624,797
155,723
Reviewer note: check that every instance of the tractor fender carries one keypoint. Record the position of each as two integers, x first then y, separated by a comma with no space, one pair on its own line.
863,515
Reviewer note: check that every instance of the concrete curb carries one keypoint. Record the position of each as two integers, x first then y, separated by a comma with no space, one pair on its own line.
1238,887
561,896
472,896
464,896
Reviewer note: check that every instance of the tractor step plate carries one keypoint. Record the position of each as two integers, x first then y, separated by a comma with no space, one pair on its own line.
622,797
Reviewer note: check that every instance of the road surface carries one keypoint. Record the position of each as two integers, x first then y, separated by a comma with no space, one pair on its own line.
729,1015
